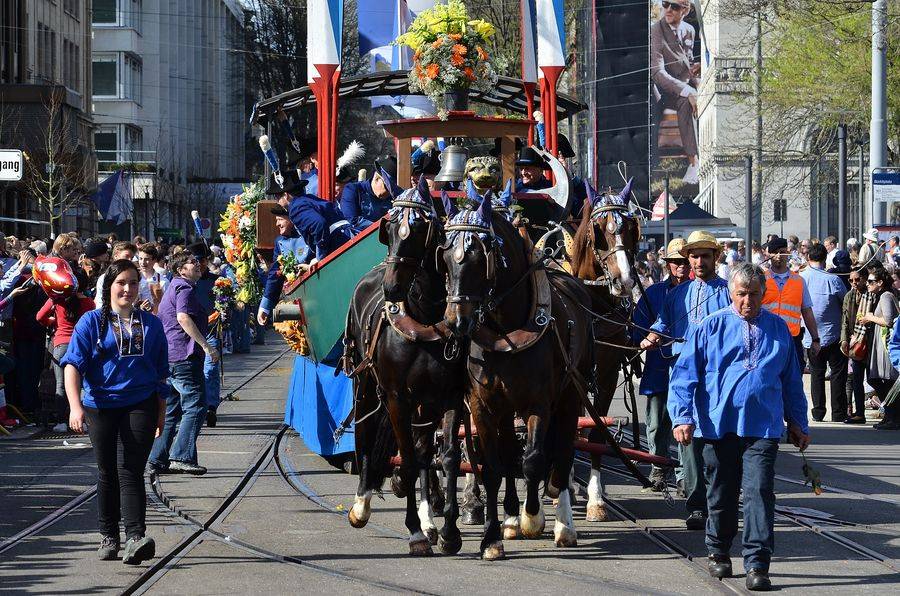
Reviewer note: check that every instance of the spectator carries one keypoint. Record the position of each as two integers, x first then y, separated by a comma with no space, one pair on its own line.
831,247
654,269
759,258
30,338
852,300
737,417
60,312
39,246
879,316
121,250
67,248
826,291
870,250
117,356
7,260
152,284
853,249
891,403
185,324
214,336
841,266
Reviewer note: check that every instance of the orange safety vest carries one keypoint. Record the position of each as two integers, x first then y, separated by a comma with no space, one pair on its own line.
787,302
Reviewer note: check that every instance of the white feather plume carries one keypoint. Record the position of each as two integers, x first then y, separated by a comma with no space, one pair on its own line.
538,116
354,152
264,143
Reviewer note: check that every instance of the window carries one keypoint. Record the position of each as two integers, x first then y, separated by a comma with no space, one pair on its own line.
134,140
105,80
134,75
104,12
106,144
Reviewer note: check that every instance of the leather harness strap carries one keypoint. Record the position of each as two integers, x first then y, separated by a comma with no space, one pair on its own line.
412,330
535,325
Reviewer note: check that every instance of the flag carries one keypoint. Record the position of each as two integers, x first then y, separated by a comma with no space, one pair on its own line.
659,207
551,36
324,23
113,199
529,41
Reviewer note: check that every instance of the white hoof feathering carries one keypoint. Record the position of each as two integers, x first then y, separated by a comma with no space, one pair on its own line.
361,510
596,510
494,552
532,526
564,533
511,528
426,520
419,545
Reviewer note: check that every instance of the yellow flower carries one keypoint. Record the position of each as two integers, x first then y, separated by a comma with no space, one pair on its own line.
482,28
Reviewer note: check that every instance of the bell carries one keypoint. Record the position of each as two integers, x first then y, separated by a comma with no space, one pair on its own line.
453,164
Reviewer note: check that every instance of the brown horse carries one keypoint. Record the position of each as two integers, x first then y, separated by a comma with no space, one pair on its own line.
529,342
602,256
394,329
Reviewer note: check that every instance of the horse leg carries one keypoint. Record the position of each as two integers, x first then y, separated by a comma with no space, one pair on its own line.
365,435
492,542
436,492
424,453
607,378
532,521
511,504
401,420
472,504
450,541
564,532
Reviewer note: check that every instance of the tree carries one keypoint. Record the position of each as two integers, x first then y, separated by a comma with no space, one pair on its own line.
56,176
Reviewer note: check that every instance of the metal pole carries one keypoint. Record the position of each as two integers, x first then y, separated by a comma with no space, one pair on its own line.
842,184
759,125
666,214
147,215
862,193
748,208
878,123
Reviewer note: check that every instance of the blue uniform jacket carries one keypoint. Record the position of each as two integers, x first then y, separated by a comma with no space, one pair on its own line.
312,186
320,224
360,205
541,184
274,279
656,366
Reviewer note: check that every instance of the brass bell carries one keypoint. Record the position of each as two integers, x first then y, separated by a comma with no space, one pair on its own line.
453,164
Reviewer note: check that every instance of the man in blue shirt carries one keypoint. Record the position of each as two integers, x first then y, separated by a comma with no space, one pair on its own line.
531,171
682,311
826,291
288,241
734,386
365,202
655,380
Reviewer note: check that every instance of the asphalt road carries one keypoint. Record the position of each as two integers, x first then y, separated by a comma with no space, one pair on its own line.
284,529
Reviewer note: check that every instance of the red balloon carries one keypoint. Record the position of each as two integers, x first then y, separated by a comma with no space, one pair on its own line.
55,277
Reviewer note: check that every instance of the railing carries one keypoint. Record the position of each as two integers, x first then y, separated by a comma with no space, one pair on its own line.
731,75
128,159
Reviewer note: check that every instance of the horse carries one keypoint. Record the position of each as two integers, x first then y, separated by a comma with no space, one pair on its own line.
604,243
395,337
529,347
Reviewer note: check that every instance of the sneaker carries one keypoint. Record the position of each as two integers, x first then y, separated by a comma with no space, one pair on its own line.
720,566
183,467
154,468
211,418
696,521
138,549
109,548
758,580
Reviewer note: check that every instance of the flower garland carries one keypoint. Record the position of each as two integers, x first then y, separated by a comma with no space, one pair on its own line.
450,52
224,297
238,233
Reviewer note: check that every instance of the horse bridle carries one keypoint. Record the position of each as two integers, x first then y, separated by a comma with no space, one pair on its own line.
603,255
404,231
459,253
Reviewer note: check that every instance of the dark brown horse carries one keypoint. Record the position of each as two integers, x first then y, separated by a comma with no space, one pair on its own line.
530,340
605,243
408,369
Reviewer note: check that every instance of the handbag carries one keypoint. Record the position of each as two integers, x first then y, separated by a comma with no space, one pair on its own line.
859,350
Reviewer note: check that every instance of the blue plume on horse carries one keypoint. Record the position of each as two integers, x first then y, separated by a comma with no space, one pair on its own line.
485,211
505,197
449,205
424,191
626,192
472,192
392,188
590,193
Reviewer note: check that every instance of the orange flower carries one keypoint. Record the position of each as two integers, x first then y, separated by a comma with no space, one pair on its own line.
469,74
419,73
437,43
457,60
460,49
481,53
455,36
417,55
432,71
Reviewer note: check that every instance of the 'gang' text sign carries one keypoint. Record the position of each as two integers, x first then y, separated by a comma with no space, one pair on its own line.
10,165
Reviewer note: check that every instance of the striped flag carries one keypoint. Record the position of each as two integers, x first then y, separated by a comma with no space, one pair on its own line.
551,35
324,22
529,41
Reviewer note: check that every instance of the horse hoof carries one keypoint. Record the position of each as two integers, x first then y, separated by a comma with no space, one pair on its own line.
511,528
450,546
564,536
432,534
532,526
493,552
420,548
473,517
356,522
596,512
397,486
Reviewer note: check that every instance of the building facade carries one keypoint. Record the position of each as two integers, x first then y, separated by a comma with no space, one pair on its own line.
46,111
792,195
169,103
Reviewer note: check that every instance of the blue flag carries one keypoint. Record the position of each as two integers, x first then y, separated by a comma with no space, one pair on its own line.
112,198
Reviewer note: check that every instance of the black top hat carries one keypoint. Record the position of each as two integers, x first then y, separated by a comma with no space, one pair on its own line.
307,148
530,157
199,250
279,211
345,175
564,147
292,183
495,152
388,163
430,164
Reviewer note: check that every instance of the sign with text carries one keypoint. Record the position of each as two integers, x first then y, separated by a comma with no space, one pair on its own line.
886,186
11,165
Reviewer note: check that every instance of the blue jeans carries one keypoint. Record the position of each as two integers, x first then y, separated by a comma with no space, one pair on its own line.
185,411
211,374
725,458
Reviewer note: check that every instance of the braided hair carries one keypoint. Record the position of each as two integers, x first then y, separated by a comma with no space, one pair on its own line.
115,269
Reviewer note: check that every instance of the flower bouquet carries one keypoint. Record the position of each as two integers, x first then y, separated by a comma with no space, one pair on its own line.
238,233
450,55
290,267
224,297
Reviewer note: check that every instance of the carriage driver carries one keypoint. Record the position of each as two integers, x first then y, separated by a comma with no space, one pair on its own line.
655,380
365,202
737,415
682,311
287,241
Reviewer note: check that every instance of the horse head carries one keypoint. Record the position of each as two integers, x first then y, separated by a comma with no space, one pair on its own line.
468,255
411,231
606,240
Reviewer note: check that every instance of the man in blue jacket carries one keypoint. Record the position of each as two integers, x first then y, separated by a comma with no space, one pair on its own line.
287,241
363,203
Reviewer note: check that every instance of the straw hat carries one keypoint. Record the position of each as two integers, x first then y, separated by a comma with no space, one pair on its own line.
673,250
699,239
871,235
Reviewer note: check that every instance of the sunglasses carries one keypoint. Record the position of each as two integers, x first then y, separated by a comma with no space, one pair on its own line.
672,6
872,281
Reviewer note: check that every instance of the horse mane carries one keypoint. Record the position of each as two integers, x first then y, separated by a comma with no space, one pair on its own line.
582,257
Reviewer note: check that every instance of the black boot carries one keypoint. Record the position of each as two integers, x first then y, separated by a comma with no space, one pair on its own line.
720,566
758,580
